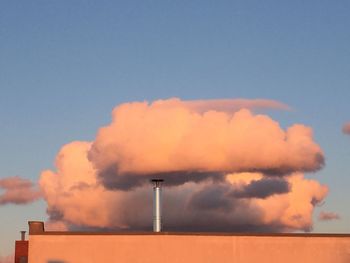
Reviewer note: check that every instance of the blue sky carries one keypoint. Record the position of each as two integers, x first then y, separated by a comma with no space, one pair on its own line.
64,65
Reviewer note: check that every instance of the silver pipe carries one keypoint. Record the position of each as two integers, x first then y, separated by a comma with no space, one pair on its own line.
157,205
23,235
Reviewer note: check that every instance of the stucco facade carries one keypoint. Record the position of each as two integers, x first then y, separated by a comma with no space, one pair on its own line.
69,247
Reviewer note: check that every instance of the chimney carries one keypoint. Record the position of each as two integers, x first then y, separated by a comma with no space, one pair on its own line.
21,249
36,227
157,212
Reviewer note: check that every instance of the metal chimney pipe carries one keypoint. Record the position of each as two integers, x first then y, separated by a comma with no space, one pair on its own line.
157,205
23,235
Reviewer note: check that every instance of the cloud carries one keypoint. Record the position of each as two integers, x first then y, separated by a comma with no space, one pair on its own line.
7,259
171,140
194,206
17,190
346,128
263,188
229,105
226,169
328,216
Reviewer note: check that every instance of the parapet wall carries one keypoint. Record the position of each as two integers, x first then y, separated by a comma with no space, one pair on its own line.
170,247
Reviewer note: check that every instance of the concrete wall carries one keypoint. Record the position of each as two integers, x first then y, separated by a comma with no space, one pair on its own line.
187,248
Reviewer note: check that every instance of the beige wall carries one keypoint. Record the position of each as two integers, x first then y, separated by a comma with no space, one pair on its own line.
187,248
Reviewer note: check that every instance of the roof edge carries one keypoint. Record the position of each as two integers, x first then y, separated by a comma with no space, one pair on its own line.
37,228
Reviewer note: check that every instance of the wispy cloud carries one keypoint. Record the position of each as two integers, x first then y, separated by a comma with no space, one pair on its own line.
328,216
17,190
7,259
346,128
232,105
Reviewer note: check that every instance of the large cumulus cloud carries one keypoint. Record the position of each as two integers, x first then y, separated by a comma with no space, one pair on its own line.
172,140
226,169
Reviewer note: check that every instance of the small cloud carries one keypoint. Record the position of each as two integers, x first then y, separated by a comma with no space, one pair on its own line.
7,259
346,128
328,216
18,191
233,105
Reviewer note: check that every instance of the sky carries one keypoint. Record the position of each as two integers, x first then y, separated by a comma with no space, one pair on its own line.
65,65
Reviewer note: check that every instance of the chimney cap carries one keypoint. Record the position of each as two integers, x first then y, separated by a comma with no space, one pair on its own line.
155,180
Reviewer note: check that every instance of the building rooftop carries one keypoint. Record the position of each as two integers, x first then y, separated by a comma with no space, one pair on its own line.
37,228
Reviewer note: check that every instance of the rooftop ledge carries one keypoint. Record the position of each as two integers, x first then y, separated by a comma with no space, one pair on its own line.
38,228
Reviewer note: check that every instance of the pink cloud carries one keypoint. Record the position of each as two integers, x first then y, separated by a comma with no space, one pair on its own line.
7,259
328,216
225,167
346,128
231,105
18,191
167,136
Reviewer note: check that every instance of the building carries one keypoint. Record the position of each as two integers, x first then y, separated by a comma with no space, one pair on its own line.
87,247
